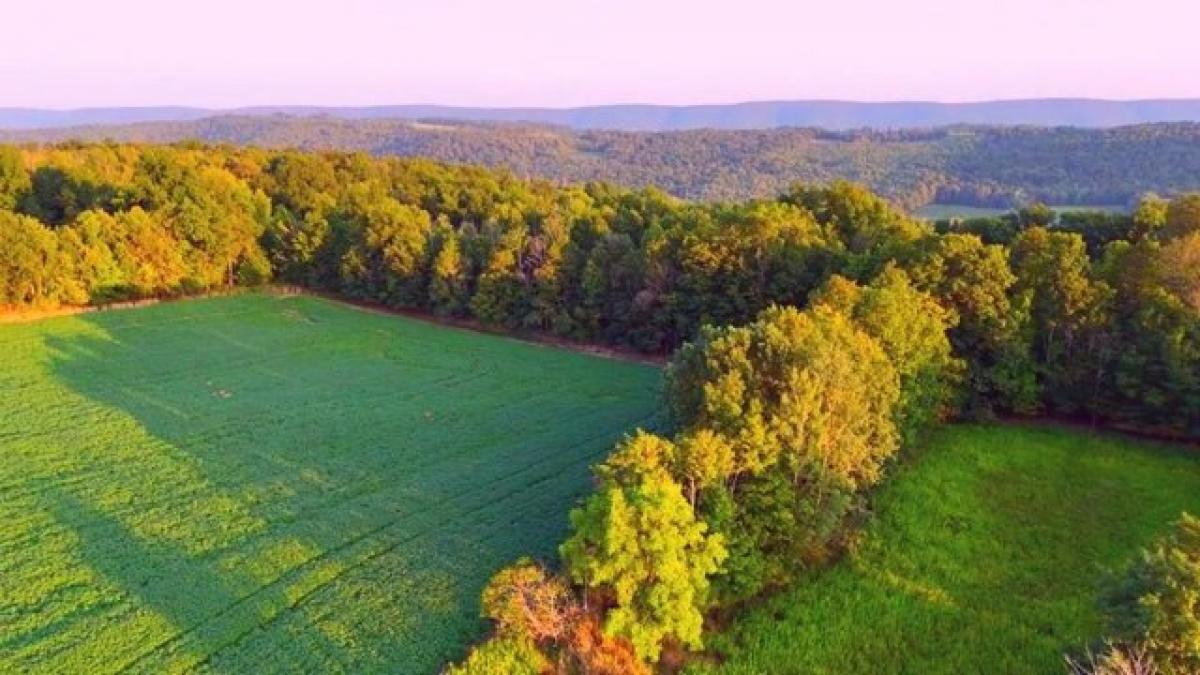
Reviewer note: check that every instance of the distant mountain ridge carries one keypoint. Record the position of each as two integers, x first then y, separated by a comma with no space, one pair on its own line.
826,114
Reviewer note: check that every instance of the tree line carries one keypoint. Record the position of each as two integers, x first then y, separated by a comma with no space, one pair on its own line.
1091,316
813,335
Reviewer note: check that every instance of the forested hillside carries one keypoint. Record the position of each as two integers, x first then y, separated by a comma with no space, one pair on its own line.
983,166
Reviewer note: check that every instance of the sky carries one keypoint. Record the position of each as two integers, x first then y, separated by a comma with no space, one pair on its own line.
230,53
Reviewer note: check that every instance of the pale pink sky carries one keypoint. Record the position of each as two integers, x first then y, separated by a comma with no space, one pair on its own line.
225,53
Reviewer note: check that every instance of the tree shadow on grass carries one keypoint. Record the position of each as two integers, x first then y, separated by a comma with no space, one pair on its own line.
205,608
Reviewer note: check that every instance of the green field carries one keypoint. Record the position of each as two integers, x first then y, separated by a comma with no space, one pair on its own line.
945,211
259,484
985,556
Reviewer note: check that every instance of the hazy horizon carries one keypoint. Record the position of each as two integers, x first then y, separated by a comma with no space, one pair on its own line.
540,53
617,103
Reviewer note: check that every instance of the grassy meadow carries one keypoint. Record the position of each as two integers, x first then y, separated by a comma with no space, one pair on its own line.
263,483
943,211
985,555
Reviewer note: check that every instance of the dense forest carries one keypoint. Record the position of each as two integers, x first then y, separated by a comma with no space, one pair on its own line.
982,166
814,334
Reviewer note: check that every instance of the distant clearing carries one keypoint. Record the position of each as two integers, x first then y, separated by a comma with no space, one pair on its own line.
942,211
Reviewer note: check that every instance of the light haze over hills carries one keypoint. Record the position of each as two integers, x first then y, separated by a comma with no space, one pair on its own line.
834,115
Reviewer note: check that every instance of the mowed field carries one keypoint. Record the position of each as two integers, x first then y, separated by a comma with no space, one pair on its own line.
986,554
262,483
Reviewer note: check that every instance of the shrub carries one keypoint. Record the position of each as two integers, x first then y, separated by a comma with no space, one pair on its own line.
1157,602
1114,660
526,601
502,656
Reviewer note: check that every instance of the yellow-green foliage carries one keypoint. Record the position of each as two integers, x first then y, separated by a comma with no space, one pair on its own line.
805,391
784,423
912,329
502,656
640,546
264,484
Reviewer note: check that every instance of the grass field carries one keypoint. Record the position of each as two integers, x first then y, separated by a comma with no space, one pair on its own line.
942,211
984,557
260,484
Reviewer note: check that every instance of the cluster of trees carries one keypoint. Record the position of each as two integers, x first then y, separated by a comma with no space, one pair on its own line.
97,224
981,165
1107,304
781,426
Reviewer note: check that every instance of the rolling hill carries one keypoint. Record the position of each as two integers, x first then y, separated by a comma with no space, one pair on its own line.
987,166
838,115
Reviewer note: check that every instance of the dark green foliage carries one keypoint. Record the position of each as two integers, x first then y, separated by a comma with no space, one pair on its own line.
1097,228
56,196
975,281
1152,379
990,229
294,242
1069,310
1183,217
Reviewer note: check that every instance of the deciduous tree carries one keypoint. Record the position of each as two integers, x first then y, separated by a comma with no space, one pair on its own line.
640,549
